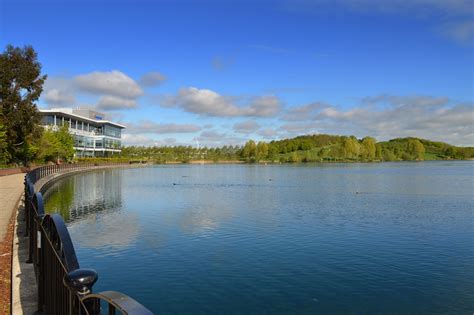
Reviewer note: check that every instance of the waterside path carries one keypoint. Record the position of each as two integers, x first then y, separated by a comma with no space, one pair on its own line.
11,190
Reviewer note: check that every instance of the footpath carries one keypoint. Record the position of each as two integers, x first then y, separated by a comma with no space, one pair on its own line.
11,190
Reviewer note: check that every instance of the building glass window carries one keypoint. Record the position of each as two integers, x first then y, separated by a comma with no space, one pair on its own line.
78,141
112,131
89,142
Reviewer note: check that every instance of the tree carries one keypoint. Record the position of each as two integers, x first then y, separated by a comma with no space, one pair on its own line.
294,158
21,84
249,152
4,155
262,150
450,152
65,142
388,155
416,149
48,147
378,152
351,148
368,148
55,145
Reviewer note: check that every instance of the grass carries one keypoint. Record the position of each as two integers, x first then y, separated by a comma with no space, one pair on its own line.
430,156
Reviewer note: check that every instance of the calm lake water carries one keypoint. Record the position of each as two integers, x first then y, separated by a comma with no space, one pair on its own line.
278,239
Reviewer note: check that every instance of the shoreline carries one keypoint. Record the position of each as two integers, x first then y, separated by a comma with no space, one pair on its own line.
208,162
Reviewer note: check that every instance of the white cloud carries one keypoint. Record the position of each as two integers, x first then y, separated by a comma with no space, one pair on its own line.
205,102
56,97
301,113
268,133
58,91
146,140
209,103
150,127
214,138
152,79
113,83
139,140
413,100
263,106
109,102
246,127
387,117
294,129
115,90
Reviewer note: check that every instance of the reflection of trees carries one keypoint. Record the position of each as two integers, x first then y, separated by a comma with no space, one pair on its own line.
90,203
78,196
59,199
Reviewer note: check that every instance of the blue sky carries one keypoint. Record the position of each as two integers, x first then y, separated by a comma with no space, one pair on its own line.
221,72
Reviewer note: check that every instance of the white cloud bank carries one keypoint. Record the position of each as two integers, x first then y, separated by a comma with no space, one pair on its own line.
113,83
387,117
209,103
150,127
115,90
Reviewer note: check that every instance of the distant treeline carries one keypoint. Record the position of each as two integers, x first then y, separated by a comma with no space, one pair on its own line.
310,148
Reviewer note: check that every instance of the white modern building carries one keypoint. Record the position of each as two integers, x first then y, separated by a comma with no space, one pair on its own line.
93,134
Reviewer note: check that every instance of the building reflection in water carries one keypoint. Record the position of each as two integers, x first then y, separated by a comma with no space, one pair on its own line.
77,196
91,205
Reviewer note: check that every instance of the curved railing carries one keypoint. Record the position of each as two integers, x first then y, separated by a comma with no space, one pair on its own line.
64,287
117,301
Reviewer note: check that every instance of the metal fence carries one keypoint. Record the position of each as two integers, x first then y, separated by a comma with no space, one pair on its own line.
64,287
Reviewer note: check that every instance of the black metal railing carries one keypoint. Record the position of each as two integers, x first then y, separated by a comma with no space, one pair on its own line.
64,287
43,171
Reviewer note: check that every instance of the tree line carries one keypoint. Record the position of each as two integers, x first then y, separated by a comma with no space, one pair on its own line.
327,148
309,148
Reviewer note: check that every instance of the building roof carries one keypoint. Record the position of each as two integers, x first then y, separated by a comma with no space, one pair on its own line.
70,113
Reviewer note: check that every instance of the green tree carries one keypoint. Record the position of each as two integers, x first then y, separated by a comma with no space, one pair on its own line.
55,145
4,155
351,148
378,152
368,148
388,155
65,142
416,149
21,84
450,152
249,152
48,147
262,150
294,158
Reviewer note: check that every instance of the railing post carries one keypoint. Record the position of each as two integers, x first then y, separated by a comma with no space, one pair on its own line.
40,267
80,282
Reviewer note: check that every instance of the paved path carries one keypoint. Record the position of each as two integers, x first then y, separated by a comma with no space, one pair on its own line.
11,188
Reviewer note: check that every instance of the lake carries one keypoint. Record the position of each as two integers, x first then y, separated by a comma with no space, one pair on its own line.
278,239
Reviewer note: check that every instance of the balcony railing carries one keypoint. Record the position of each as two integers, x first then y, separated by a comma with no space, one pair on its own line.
64,287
